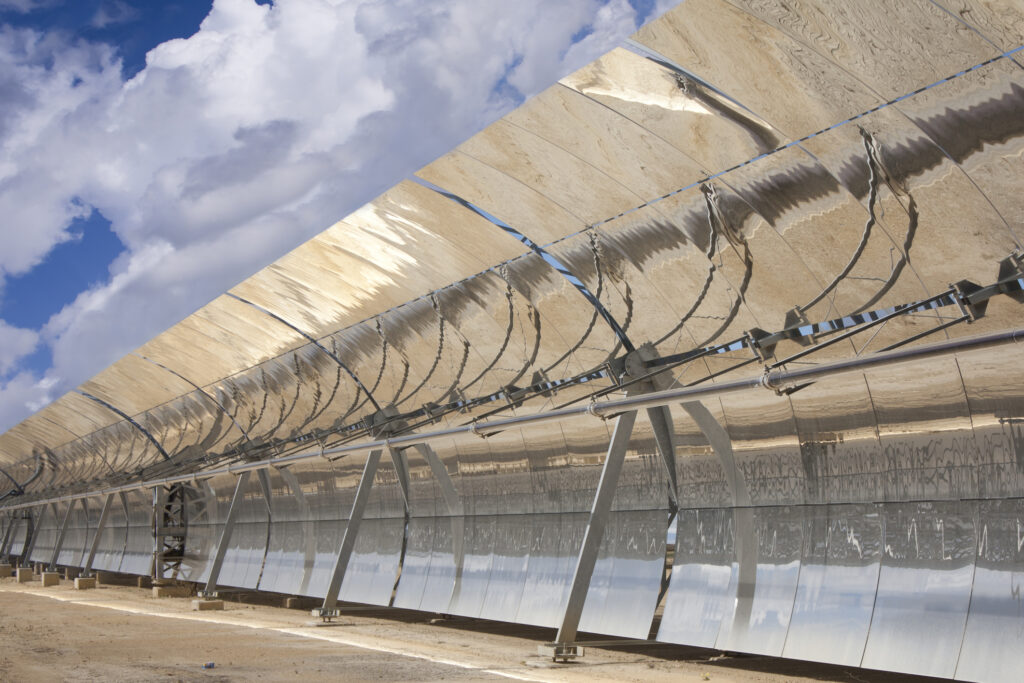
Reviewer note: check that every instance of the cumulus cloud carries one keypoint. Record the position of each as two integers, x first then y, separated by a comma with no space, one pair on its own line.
15,344
238,143
26,6
113,12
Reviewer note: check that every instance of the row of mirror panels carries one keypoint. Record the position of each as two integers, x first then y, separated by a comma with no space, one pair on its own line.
744,165
944,428
699,207
927,588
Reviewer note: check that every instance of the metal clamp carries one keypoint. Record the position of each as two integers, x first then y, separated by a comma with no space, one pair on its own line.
326,614
780,388
766,381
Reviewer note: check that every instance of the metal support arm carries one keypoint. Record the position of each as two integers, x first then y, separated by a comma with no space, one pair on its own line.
94,546
60,536
587,560
225,533
5,549
348,542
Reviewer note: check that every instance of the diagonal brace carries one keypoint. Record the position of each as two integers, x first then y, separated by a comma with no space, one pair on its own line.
100,526
587,559
60,536
348,542
225,534
9,536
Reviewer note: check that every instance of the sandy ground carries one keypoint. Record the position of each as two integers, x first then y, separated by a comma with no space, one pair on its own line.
122,633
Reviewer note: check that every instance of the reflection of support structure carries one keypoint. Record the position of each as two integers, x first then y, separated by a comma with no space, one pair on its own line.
33,533
263,476
169,528
60,536
308,536
402,473
744,536
440,472
661,424
108,502
348,542
453,502
225,535
565,642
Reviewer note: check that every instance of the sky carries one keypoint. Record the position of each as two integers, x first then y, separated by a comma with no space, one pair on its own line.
155,154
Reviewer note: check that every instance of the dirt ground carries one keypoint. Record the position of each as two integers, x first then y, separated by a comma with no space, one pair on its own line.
122,633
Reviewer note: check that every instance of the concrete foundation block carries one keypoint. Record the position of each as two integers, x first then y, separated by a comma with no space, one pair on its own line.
71,573
25,574
105,578
6,571
171,591
143,582
299,603
203,605
85,582
51,579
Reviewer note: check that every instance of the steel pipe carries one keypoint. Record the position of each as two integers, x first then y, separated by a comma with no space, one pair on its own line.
774,380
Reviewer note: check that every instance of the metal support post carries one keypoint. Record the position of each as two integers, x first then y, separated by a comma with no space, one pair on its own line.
60,537
155,520
9,536
565,645
348,541
225,535
100,526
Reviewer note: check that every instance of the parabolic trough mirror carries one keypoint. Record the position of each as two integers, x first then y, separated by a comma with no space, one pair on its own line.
724,328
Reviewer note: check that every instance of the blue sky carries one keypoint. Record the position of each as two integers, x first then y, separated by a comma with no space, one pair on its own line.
134,26
154,154
83,260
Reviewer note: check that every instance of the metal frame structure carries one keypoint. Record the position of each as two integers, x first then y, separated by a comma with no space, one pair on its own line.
348,541
228,528
749,251
565,640
778,381
52,564
101,524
